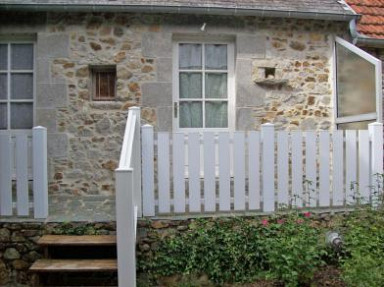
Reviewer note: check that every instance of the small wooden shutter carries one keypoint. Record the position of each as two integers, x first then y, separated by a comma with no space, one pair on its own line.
104,83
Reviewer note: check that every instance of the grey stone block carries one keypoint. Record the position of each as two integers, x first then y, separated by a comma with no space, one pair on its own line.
47,118
156,94
57,145
22,23
164,119
244,119
52,45
156,44
248,93
51,95
43,72
164,69
253,46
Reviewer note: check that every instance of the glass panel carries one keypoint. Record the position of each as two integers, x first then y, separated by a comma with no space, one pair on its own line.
356,89
354,125
22,56
21,116
216,56
3,57
3,116
215,85
190,85
191,115
21,86
3,86
190,56
216,114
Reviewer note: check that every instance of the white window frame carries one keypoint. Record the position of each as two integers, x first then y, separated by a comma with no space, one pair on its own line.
377,116
9,71
230,83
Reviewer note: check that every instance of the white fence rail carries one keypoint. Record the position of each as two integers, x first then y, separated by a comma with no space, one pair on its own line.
258,171
23,173
128,199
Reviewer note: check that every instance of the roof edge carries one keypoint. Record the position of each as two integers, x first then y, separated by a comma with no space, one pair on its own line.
233,11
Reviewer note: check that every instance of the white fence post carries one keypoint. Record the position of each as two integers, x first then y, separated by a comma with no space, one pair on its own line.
268,167
137,162
21,156
40,172
148,171
376,137
5,175
125,224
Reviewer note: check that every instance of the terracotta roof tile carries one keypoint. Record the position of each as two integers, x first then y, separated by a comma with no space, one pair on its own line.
371,23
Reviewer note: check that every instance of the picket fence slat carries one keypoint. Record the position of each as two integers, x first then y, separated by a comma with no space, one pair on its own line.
148,174
5,175
364,166
178,172
194,172
22,175
239,170
163,171
311,168
350,165
338,169
324,184
282,168
297,169
268,162
254,170
209,172
224,173
259,170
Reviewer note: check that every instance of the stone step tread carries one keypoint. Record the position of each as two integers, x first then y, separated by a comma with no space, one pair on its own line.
74,265
77,240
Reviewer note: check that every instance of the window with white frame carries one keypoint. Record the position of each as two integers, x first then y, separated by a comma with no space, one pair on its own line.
203,82
358,87
16,85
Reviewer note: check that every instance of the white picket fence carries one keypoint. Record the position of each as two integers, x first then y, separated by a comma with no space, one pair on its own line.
23,173
258,171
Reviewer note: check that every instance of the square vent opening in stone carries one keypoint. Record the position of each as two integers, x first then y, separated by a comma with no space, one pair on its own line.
103,83
269,73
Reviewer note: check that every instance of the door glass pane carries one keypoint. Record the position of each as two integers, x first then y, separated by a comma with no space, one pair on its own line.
190,56
3,86
216,56
215,85
21,86
216,114
191,115
3,116
3,57
354,126
21,116
356,88
190,85
22,56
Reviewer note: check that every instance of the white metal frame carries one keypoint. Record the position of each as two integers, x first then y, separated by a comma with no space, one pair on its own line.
377,116
230,83
8,72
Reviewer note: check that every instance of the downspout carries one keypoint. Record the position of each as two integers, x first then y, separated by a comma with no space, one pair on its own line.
362,40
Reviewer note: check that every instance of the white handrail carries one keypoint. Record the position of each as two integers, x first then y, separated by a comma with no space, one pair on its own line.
126,150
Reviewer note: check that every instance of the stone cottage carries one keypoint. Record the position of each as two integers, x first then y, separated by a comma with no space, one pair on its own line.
75,67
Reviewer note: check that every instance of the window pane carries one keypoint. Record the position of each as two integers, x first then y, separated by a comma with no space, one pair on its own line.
191,115
216,57
190,85
21,86
215,85
3,57
3,86
21,116
216,114
22,56
354,126
190,56
3,116
356,89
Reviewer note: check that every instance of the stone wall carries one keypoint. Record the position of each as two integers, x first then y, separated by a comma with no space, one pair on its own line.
85,136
